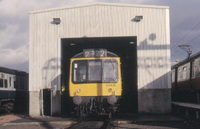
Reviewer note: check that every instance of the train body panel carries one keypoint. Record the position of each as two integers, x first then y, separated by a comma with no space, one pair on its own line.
7,94
95,90
184,85
183,77
12,81
186,74
196,83
186,80
98,88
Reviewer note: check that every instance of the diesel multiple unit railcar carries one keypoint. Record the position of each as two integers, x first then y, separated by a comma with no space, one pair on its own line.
12,81
95,81
186,79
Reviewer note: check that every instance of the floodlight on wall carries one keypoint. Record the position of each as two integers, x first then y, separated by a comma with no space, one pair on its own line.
137,18
56,21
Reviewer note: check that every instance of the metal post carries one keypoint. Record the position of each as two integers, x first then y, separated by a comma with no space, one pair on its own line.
186,112
186,48
197,114
177,110
198,98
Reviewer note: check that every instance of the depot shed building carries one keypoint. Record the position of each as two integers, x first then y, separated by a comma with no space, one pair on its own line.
138,34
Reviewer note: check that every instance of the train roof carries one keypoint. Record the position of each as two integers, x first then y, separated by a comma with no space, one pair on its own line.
12,71
196,55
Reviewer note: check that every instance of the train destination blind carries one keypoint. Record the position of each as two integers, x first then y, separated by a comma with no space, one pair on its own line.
95,52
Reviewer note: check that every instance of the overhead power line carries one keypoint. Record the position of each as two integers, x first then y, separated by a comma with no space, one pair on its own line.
177,43
194,38
186,34
188,43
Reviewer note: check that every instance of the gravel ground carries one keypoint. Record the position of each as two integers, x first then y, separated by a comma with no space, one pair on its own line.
9,118
159,125
13,121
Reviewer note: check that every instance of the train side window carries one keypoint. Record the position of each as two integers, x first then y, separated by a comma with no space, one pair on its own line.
198,70
180,74
6,83
14,81
2,76
192,69
14,78
184,72
15,84
10,81
199,66
173,76
1,83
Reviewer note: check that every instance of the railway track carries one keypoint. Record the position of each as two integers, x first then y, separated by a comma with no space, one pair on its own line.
92,123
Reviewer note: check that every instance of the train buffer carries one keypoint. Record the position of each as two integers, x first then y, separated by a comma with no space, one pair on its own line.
187,107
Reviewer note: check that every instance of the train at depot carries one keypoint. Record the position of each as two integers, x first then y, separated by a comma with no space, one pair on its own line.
12,81
186,80
95,82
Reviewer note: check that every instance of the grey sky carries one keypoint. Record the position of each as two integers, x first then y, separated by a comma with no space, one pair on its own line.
14,23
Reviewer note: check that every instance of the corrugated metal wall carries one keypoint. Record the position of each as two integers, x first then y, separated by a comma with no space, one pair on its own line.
100,20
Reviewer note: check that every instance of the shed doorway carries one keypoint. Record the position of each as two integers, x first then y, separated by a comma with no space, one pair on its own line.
124,47
46,102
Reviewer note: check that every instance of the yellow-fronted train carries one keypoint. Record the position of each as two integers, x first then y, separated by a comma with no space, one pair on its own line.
95,82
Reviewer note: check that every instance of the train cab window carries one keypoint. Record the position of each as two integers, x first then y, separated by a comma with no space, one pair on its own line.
79,71
94,70
1,83
110,68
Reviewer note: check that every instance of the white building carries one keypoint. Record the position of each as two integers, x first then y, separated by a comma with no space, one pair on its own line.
112,26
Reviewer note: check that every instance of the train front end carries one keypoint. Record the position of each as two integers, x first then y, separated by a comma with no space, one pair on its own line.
95,81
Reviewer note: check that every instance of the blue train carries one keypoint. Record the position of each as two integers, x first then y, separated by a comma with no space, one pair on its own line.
12,81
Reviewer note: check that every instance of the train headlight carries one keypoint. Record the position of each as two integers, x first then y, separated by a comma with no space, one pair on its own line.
109,90
79,90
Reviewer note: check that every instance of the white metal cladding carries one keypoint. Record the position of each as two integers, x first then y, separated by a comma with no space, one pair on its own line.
100,20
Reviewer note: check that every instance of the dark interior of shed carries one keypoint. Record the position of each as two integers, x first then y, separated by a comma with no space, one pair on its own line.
124,47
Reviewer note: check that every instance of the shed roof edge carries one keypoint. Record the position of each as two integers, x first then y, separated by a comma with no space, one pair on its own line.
99,3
